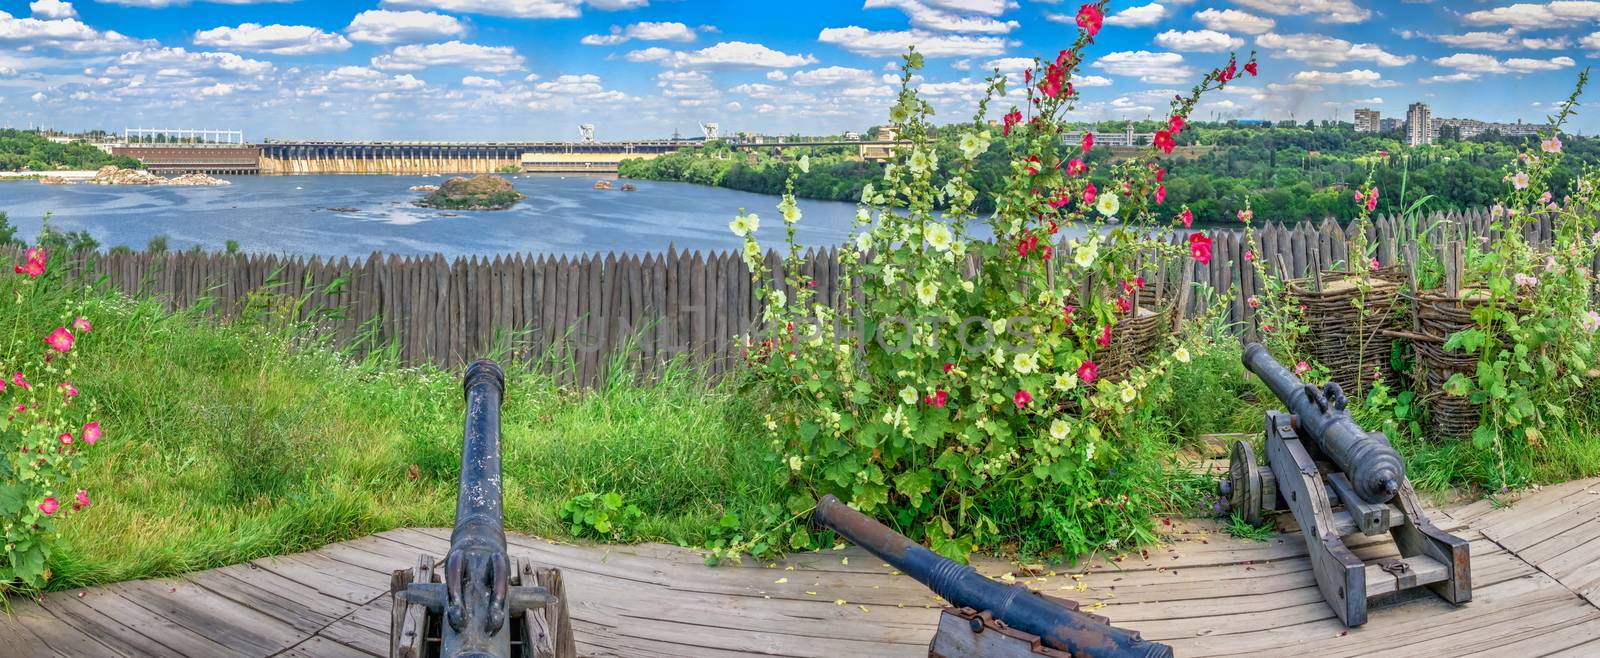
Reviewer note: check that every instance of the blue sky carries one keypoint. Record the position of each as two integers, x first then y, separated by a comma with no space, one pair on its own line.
535,69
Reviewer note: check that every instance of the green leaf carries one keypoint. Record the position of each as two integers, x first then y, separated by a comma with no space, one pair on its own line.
1482,437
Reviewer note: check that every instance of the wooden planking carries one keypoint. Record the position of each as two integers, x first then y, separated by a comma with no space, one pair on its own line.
1205,593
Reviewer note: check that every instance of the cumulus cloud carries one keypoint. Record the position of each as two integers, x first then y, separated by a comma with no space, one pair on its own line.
1536,15
484,59
1506,40
1233,20
1206,41
384,27
1362,77
1325,11
645,31
727,53
1154,68
177,62
891,43
273,39
66,34
156,4
1474,63
834,75
478,81
949,16
1139,16
518,8
1328,51
52,9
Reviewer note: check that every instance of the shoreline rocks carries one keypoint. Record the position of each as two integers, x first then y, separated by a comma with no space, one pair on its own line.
483,192
113,175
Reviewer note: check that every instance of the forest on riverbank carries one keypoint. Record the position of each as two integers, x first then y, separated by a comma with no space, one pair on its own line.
1285,174
27,150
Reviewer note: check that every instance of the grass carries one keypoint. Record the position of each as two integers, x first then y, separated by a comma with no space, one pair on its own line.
1242,529
230,442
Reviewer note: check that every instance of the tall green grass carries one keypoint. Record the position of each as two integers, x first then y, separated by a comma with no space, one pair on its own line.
231,441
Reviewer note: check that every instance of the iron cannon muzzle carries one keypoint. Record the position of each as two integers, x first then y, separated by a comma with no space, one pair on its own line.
961,585
1375,469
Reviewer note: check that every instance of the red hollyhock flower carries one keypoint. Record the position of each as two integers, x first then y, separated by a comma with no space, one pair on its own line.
1033,165
1013,118
1062,197
1090,18
1046,252
1076,167
948,367
1250,68
1138,282
1175,124
1089,194
1088,142
1164,141
1124,305
1161,175
1105,336
940,399
1052,81
1188,218
1088,372
1022,398
1161,195
1200,248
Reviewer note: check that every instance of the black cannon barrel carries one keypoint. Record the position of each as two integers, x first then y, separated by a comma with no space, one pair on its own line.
961,585
477,571
1373,466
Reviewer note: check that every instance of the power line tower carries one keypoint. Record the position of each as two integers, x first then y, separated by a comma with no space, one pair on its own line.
586,131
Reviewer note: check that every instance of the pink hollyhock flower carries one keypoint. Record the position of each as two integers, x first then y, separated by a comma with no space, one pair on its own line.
1520,181
82,325
21,381
1163,140
1105,337
1066,313
1088,372
1022,398
1552,145
1161,175
1124,305
940,399
69,390
1089,194
1249,256
1374,263
1591,322
1090,18
1175,124
1246,215
66,438
1255,302
60,340
1052,81
1360,198
1188,218
1161,195
1525,280
82,499
1302,368
1372,200
1200,248
1076,167
91,432
1088,142
49,506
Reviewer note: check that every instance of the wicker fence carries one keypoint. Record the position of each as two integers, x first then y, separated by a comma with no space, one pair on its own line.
649,308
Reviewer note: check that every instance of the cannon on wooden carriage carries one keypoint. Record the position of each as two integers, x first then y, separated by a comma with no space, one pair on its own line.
988,619
483,603
1339,480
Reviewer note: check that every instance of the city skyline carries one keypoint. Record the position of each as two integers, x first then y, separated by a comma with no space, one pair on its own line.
535,69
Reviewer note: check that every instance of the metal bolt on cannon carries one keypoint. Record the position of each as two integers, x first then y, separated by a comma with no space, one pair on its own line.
1337,480
484,604
988,619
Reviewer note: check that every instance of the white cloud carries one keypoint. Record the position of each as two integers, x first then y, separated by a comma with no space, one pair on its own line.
1140,16
1154,68
727,53
382,26
688,88
1507,40
518,8
777,75
68,34
891,43
947,16
834,75
1362,77
1452,77
38,97
156,4
1536,16
52,9
177,62
1233,20
1206,41
478,81
274,39
642,31
1326,11
1327,51
484,59
1476,64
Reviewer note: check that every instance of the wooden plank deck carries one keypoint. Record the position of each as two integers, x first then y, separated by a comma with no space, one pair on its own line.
1536,587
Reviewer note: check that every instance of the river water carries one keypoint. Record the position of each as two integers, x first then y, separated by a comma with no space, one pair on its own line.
357,215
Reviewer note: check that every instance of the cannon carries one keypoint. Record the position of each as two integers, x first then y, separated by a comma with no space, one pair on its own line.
988,618
482,604
1338,480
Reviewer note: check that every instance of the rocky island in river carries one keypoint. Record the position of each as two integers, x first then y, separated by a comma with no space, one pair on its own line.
484,192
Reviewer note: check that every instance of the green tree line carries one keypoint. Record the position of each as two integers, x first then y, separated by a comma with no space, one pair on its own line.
26,150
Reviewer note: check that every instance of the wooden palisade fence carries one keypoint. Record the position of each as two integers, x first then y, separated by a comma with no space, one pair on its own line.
576,313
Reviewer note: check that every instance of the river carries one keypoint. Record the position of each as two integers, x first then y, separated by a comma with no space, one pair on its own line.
295,215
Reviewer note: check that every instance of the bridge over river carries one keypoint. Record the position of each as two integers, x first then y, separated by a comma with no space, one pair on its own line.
327,157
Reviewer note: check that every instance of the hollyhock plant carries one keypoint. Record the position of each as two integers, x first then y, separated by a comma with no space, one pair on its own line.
44,429
848,427
1200,248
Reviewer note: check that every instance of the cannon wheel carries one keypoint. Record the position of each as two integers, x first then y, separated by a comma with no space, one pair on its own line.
1244,476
